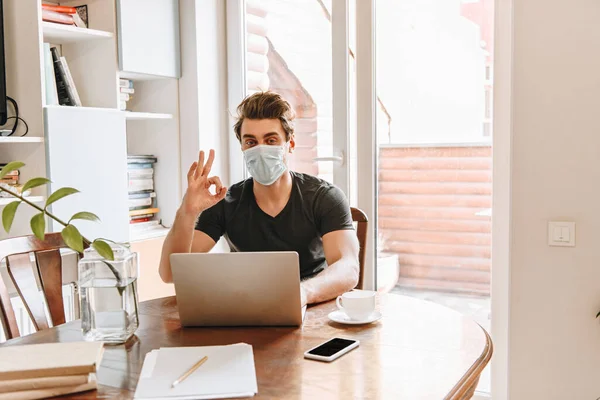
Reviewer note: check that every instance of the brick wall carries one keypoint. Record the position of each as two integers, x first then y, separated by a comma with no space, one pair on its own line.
428,200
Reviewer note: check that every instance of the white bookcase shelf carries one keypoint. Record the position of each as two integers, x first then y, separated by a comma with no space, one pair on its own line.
133,116
62,34
152,234
34,199
18,139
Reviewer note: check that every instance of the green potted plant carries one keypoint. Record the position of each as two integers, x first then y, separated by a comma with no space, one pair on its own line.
107,273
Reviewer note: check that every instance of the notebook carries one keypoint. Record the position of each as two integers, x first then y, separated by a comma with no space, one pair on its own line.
228,373
49,359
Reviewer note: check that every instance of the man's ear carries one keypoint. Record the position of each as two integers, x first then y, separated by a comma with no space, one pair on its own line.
292,144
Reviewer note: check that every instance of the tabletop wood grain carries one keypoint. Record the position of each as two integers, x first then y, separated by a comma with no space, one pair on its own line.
418,350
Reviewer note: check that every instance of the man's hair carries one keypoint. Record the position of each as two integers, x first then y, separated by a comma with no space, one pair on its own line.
265,105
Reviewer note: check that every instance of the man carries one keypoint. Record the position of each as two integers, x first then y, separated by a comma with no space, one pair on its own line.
275,210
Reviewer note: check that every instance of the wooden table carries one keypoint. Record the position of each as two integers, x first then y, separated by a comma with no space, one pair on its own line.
418,350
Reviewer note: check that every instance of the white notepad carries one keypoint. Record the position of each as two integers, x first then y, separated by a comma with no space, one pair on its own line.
228,372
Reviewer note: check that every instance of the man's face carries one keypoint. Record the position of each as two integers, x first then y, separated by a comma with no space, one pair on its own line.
263,131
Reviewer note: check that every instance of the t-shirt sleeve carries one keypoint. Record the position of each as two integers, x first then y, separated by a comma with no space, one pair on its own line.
212,221
332,211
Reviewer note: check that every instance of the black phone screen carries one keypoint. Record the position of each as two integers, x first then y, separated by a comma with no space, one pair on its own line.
331,347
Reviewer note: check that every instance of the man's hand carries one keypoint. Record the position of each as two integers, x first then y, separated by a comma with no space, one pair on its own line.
198,196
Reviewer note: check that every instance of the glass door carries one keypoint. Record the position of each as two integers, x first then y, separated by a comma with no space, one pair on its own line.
434,84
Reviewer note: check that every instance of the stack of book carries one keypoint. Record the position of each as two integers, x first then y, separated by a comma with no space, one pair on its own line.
125,93
142,198
40,371
65,15
11,182
60,86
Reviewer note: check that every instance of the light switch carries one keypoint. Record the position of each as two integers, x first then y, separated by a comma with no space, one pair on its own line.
561,233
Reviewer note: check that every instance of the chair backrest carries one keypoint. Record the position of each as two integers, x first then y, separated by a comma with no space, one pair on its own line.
362,221
25,275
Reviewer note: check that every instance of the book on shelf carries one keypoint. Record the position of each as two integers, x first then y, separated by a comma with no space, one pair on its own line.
144,173
145,225
124,97
122,105
141,195
144,211
65,15
49,77
139,185
82,12
65,92
56,17
141,159
70,82
143,202
126,83
11,182
138,165
139,220
141,216
127,90
59,9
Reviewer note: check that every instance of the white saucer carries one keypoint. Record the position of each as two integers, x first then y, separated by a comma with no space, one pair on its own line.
341,317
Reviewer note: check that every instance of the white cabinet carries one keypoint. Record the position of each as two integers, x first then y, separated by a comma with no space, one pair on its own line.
148,32
87,150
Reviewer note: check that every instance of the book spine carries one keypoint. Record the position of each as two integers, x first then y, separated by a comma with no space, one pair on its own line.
71,83
126,83
124,96
144,211
41,383
59,9
49,77
53,16
127,90
61,81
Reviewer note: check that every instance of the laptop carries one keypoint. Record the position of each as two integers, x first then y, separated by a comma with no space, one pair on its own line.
238,289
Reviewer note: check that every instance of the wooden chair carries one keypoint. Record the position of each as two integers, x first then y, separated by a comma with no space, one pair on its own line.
25,275
362,221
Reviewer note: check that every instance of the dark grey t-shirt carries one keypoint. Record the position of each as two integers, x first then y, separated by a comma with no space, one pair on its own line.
315,207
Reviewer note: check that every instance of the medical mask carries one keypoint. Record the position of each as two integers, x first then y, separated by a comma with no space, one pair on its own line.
265,163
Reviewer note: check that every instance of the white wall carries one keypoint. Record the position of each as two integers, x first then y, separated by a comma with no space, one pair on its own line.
554,339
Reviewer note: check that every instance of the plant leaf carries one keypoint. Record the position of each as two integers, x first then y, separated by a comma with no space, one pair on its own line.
8,214
104,249
59,194
85,215
72,238
11,166
38,225
34,182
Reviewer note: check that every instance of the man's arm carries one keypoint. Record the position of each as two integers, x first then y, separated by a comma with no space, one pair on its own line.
183,238
341,251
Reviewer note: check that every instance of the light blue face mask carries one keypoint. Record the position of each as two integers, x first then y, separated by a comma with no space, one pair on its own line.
265,163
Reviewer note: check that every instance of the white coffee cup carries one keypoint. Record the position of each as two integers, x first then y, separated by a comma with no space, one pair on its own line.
358,304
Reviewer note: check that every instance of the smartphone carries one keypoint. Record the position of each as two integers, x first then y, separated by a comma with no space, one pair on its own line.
331,349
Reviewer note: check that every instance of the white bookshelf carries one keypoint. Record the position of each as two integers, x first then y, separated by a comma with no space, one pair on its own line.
86,147
34,199
19,139
151,234
63,34
141,116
